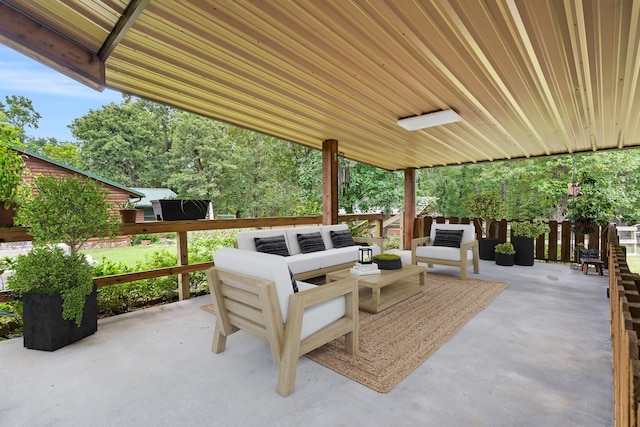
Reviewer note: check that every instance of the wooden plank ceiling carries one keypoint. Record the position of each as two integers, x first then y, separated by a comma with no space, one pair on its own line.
528,77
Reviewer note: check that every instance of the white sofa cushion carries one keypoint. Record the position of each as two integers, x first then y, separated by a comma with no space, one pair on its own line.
320,315
302,263
339,256
274,268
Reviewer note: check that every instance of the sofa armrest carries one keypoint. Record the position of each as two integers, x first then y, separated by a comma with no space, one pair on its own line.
378,241
469,245
324,293
418,241
348,323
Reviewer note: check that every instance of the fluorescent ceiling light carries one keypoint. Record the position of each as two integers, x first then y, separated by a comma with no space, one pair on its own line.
430,119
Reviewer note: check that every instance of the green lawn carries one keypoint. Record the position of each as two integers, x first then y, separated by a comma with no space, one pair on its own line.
127,255
633,261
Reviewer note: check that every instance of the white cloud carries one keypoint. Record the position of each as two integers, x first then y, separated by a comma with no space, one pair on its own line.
22,76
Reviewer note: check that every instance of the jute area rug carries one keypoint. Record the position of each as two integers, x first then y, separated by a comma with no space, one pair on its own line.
396,341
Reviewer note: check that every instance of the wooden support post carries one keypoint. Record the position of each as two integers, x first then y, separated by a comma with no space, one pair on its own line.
409,206
183,259
330,182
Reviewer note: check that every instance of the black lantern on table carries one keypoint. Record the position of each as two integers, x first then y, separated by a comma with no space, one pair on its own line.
365,255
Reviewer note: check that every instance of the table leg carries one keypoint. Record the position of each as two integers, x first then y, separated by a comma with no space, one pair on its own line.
375,294
423,278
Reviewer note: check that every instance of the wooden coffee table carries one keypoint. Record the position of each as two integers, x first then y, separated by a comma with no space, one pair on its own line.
380,291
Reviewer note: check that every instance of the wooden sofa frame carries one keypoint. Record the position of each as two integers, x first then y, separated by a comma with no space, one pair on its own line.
251,304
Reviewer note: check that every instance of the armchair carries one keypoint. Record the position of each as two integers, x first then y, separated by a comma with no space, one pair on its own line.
253,292
444,251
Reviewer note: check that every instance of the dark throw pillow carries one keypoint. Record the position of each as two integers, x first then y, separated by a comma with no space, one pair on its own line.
272,245
311,242
341,238
449,238
293,282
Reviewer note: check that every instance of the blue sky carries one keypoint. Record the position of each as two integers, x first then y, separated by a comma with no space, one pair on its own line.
58,98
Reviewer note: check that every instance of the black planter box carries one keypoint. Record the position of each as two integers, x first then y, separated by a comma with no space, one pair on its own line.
486,249
505,260
388,264
524,250
44,327
177,209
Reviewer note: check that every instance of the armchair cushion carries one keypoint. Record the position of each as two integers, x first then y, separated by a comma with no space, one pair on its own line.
310,242
260,265
272,245
449,238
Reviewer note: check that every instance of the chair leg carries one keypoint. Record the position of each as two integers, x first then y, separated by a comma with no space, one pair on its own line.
219,340
476,263
288,368
463,272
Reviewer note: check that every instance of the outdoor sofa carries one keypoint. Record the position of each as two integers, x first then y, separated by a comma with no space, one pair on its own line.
310,251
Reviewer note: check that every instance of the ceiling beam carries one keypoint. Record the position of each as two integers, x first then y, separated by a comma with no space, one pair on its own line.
30,38
131,13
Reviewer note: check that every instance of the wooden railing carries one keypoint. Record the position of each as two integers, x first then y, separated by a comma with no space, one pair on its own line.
624,300
181,228
557,245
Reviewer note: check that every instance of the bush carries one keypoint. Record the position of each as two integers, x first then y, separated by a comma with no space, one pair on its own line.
505,249
138,238
529,229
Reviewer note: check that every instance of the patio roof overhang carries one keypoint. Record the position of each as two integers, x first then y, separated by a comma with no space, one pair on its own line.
528,78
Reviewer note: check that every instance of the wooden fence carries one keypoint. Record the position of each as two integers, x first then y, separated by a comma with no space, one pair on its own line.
624,299
183,268
558,244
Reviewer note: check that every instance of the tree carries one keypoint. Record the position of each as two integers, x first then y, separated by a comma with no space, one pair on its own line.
372,189
67,152
201,159
19,112
122,142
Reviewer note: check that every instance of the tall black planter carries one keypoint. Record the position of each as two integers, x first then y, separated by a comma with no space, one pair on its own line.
44,327
486,249
524,250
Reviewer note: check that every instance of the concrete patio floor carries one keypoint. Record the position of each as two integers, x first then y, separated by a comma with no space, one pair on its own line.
538,355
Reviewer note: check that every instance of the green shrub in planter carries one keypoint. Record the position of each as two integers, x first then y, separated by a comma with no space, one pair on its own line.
505,254
47,270
70,210
505,249
530,229
388,261
487,206
524,234
11,165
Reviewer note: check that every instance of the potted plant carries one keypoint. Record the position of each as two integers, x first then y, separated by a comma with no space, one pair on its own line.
57,288
388,261
505,254
180,209
524,234
128,212
11,170
486,207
